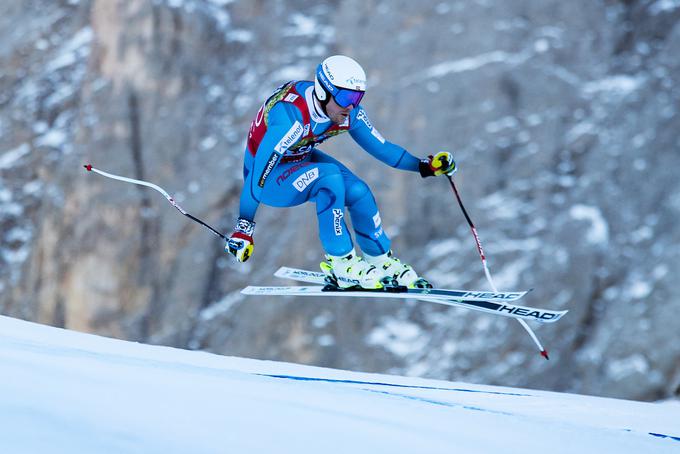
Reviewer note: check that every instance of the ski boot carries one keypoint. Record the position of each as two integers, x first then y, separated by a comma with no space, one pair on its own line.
351,272
404,274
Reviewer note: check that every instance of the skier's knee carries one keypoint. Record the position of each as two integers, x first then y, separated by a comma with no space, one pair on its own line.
331,181
356,191
327,189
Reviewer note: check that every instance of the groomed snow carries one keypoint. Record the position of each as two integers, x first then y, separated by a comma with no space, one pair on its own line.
62,391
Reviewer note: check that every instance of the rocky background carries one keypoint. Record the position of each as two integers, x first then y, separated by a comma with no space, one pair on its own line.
563,117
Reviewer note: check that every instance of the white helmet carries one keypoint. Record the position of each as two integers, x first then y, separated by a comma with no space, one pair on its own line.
342,78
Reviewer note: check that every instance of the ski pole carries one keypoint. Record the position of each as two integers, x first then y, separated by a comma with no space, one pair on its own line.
544,352
157,188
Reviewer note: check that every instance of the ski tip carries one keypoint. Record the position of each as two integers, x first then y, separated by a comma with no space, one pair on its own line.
282,272
88,167
544,353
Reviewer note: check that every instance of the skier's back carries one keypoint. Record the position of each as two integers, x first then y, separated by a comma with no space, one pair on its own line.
283,167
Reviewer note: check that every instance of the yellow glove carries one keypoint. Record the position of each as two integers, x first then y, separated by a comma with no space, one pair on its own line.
240,243
439,164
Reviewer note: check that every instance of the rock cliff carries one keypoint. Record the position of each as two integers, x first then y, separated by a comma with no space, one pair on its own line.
562,115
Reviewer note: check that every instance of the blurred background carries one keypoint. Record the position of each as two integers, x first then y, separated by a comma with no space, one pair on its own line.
563,117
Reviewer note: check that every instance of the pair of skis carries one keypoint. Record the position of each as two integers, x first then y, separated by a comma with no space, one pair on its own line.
500,303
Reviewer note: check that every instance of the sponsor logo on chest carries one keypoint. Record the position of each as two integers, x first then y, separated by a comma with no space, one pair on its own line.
292,136
291,97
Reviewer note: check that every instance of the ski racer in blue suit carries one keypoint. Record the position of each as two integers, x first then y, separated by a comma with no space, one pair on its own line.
283,167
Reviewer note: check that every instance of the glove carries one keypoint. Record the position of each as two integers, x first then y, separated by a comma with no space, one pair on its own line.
240,243
439,164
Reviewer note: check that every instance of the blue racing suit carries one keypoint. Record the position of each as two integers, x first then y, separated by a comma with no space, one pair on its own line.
283,168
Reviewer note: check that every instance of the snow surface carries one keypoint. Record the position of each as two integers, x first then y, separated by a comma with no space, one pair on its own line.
63,391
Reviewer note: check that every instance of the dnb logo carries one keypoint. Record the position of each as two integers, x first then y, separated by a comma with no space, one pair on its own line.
306,179
337,221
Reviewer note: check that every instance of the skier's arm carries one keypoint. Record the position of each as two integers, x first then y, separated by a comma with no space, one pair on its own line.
284,129
363,132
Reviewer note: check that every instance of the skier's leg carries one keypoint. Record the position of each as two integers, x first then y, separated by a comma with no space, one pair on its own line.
368,228
344,265
362,207
328,192
288,184
292,184
366,218
323,183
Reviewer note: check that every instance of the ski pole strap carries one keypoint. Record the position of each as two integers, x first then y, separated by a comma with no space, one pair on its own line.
172,201
245,226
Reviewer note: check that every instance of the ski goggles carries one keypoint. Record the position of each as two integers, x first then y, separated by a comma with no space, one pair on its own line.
345,97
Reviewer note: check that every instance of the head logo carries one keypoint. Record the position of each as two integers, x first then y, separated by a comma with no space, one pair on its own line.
361,115
328,71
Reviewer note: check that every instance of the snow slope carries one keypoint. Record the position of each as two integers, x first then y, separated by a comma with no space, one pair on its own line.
62,391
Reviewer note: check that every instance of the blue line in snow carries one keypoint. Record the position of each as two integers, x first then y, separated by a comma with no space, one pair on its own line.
358,382
665,436
438,402
435,402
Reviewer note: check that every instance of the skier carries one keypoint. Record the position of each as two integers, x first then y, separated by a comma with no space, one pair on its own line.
283,167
